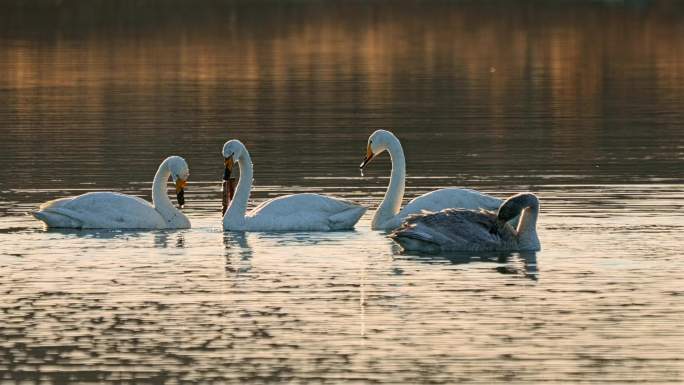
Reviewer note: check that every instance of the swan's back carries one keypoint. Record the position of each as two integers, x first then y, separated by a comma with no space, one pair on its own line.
454,229
461,198
441,199
100,210
304,212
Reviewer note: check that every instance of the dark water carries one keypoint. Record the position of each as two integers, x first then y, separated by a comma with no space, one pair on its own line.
580,102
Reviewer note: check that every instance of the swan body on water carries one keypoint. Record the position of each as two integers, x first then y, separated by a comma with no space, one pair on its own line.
111,210
389,214
470,230
296,212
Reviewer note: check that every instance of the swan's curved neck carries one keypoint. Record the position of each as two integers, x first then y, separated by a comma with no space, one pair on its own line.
527,228
235,215
160,197
391,203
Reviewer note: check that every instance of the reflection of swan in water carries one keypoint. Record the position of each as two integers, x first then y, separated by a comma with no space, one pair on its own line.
522,263
469,230
241,247
295,212
112,234
238,252
161,239
388,216
277,239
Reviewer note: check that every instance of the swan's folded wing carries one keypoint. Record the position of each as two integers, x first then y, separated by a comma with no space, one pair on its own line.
306,212
454,229
306,203
109,210
445,198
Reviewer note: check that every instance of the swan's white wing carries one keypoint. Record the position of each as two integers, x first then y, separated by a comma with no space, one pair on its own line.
304,212
443,199
102,210
452,198
452,229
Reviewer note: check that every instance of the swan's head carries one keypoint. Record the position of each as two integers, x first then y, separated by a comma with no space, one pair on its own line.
232,151
180,172
378,142
513,206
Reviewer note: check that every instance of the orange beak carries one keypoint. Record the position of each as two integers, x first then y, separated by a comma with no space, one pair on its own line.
180,185
229,164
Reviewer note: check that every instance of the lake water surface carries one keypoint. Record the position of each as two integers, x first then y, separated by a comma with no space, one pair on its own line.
581,103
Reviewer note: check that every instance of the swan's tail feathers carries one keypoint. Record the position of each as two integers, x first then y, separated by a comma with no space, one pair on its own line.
56,220
55,203
347,218
412,239
40,215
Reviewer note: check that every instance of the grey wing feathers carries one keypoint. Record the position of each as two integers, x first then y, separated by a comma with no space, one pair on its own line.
453,219
453,229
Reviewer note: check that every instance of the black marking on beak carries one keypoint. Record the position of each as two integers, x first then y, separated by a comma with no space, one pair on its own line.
180,196
366,160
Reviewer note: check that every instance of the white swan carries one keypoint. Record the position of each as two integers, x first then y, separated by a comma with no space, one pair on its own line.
388,216
470,230
297,212
110,210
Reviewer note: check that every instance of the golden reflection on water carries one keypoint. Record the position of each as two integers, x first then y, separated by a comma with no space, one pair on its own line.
573,48
586,84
